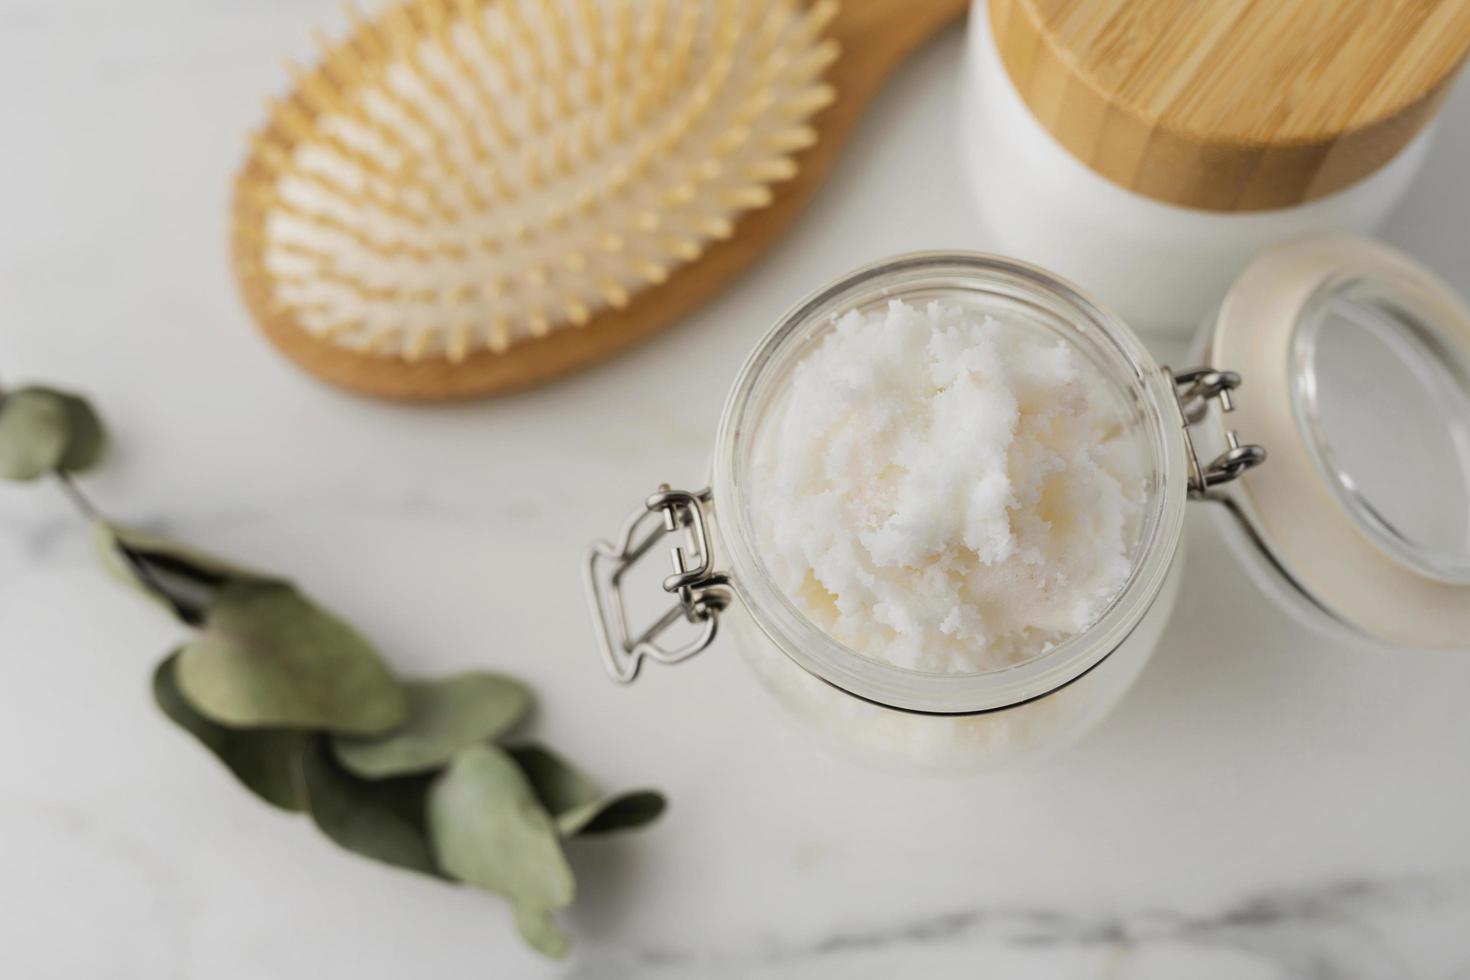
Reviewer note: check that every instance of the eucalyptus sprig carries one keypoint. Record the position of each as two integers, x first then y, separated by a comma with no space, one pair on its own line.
306,714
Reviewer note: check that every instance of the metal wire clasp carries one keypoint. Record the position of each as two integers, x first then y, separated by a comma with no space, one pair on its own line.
701,590
1196,389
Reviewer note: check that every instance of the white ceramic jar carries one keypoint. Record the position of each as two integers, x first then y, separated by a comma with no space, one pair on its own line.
1162,251
1321,529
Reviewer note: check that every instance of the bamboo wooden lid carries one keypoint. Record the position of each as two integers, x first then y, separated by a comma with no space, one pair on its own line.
1233,105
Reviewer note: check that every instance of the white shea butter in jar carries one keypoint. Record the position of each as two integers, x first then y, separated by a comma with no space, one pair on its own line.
947,491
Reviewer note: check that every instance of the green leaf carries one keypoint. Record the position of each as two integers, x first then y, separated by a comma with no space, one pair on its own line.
443,717
86,438
620,811
558,784
43,430
541,932
169,555
269,657
579,805
33,438
266,760
382,820
174,575
490,831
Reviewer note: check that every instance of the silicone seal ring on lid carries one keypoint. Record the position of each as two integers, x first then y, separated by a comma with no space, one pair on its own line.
1336,553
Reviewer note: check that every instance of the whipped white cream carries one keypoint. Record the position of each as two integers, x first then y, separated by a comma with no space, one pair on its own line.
947,491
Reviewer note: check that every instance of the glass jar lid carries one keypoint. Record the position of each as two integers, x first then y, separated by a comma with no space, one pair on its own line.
1357,366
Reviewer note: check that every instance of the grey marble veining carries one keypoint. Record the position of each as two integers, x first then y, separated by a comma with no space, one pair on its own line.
1349,930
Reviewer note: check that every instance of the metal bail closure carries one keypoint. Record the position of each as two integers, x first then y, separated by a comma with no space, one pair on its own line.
1196,389
700,589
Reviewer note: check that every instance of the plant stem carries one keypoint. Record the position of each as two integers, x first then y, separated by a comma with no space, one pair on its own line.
78,499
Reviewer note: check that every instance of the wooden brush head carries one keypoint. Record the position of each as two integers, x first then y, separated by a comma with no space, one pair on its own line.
471,195
1233,105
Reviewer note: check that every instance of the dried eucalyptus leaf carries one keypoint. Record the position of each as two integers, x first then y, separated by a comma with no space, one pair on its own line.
43,430
269,657
577,803
621,811
33,434
443,717
174,575
168,556
490,831
541,932
266,760
86,438
383,819
559,785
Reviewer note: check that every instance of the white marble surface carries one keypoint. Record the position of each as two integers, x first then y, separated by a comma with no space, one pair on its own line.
1263,805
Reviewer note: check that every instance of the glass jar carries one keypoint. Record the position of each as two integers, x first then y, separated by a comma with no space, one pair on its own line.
1182,428
892,714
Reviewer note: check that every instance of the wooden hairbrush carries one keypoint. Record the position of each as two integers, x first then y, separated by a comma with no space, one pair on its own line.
469,196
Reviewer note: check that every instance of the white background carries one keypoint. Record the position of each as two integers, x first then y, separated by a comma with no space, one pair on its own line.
1262,805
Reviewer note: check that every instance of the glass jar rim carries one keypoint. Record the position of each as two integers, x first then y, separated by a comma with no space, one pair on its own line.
924,692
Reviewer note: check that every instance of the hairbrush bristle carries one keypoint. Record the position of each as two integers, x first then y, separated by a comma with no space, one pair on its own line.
469,174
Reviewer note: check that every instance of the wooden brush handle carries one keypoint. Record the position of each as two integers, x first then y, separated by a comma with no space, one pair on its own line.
876,34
